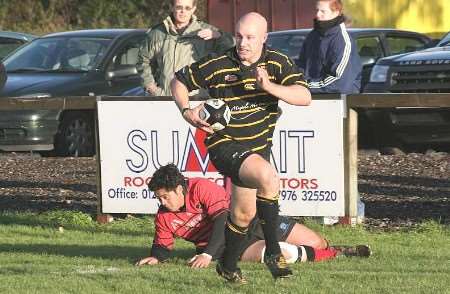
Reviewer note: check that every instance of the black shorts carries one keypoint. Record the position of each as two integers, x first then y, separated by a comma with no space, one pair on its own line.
228,157
284,228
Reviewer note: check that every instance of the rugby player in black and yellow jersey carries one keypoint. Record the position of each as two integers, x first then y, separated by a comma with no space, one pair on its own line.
251,79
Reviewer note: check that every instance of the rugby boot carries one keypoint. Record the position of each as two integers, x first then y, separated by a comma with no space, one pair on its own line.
277,266
234,277
353,251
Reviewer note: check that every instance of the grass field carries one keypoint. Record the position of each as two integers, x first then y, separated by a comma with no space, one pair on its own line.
39,256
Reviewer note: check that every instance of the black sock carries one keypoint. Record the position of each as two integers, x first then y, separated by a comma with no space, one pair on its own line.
308,250
234,240
268,215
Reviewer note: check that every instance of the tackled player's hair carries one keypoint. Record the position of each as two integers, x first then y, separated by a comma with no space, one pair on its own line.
167,177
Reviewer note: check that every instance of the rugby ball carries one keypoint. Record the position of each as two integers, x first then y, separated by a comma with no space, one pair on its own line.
216,113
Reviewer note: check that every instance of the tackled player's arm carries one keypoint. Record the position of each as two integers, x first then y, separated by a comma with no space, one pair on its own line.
217,238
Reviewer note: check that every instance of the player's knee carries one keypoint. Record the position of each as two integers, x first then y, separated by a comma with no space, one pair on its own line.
270,181
243,217
319,243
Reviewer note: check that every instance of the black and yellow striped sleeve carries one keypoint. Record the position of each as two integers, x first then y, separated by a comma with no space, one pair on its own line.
195,75
288,74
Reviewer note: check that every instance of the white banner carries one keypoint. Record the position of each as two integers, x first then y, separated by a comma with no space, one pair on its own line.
137,137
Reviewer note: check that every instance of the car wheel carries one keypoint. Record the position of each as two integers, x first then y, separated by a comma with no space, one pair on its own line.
75,135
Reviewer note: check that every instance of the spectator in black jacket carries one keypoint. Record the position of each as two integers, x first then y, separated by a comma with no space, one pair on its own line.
329,56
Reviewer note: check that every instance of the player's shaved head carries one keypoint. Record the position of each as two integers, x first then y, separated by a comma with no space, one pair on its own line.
253,19
251,34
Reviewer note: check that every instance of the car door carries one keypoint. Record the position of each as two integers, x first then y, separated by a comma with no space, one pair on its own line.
125,56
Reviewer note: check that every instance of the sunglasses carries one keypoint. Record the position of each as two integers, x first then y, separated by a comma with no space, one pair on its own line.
181,7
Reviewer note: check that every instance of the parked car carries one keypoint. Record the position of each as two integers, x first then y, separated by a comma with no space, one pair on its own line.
77,63
10,41
372,44
425,71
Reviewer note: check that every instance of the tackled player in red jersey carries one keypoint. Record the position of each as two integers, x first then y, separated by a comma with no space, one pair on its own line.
196,210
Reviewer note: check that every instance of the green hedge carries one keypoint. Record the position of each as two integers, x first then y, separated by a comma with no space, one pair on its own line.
47,16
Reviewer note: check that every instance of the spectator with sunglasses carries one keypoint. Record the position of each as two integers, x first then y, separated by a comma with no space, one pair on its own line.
179,40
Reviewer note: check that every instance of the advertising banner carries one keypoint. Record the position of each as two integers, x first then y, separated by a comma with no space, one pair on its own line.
137,137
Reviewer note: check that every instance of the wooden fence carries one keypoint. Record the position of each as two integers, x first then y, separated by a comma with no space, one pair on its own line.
350,123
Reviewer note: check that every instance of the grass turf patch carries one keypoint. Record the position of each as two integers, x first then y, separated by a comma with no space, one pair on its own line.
37,256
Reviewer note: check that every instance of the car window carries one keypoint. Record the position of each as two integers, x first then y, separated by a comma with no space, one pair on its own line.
369,49
7,45
58,54
128,53
288,44
445,40
398,44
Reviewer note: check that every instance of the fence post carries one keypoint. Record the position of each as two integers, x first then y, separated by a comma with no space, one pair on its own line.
350,166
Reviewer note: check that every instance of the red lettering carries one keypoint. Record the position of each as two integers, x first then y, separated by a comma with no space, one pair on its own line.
293,183
127,181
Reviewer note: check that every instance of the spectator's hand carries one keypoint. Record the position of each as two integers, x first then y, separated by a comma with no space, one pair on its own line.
262,78
152,89
208,34
200,261
192,116
148,260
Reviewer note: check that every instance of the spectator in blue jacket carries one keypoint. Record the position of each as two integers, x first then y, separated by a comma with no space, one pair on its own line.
329,56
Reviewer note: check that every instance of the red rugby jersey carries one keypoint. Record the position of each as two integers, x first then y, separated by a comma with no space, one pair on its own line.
204,201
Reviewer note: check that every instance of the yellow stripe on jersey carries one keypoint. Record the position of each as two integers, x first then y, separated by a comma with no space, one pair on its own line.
237,83
211,60
221,71
247,110
244,96
302,83
192,78
218,142
249,124
251,137
259,148
281,54
275,63
233,84
291,76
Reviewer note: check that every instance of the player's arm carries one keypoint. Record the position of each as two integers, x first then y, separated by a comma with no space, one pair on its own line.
215,202
162,244
215,242
187,79
295,94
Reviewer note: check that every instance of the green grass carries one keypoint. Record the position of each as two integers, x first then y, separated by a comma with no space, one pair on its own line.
36,257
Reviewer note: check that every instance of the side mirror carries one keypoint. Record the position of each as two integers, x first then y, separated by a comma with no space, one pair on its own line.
121,71
367,60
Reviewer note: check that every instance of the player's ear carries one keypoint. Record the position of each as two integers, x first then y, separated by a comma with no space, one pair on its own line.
179,190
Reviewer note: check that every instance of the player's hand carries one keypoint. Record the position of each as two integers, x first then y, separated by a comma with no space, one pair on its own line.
148,260
152,89
262,78
192,116
208,34
200,261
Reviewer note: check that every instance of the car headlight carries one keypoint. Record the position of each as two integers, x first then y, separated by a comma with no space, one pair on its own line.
379,74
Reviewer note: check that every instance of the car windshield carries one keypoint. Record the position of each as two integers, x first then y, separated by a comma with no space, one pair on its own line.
58,54
289,44
445,40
